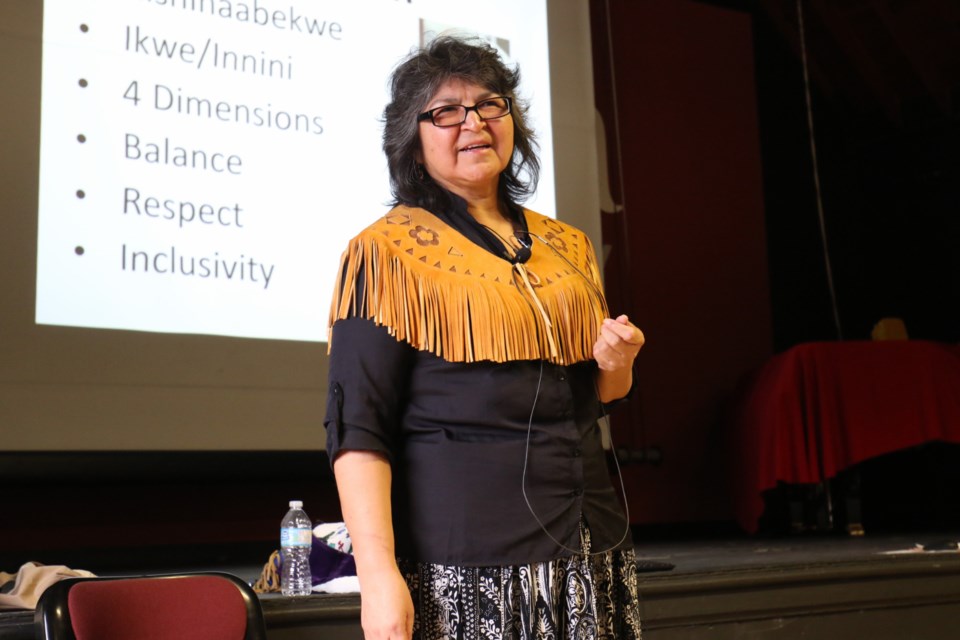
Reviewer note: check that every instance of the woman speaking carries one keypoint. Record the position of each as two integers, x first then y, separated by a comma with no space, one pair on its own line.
470,359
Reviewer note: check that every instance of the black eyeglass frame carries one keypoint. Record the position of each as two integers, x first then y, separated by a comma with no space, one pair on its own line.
428,115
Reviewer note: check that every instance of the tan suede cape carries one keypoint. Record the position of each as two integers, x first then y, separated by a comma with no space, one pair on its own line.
434,289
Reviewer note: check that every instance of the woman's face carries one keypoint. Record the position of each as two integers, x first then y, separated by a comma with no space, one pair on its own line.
466,159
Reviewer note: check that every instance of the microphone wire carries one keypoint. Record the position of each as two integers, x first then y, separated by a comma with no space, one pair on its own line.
623,488
596,390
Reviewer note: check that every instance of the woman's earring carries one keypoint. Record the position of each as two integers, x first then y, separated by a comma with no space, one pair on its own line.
419,172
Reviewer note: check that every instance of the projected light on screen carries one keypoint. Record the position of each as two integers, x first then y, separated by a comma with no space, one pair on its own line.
204,162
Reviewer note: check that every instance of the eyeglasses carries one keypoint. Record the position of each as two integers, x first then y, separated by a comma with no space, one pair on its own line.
452,115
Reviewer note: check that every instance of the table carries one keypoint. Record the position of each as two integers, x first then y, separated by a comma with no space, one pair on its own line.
821,407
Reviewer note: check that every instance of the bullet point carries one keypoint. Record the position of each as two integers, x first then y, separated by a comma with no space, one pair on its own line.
81,194
81,138
83,82
84,28
78,251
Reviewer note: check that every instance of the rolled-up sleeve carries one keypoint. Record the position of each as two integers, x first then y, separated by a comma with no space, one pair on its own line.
368,383
613,404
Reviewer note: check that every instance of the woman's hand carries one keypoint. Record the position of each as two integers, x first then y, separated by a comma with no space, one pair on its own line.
363,481
386,609
618,344
615,350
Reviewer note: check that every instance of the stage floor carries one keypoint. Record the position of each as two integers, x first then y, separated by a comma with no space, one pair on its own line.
742,552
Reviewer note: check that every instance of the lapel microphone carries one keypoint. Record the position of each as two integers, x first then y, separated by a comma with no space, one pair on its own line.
522,254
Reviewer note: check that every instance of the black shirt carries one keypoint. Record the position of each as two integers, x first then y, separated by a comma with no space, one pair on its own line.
466,441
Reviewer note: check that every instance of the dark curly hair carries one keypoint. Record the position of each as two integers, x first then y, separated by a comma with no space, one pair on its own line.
414,82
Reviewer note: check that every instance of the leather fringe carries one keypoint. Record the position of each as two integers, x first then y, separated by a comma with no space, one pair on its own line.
485,310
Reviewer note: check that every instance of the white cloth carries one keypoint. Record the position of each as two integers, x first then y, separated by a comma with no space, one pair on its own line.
344,584
31,581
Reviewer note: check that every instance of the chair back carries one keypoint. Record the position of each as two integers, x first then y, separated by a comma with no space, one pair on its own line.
190,606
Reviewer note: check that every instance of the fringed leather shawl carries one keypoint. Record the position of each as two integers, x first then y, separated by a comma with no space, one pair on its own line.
434,289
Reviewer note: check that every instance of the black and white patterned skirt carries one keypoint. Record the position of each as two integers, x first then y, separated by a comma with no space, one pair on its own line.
579,597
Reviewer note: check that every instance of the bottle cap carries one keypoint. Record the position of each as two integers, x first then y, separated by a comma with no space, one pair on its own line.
296,504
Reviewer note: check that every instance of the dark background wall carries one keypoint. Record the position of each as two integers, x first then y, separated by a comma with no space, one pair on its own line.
885,83
688,259
718,251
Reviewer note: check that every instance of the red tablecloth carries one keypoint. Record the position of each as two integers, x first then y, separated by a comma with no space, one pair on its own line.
821,407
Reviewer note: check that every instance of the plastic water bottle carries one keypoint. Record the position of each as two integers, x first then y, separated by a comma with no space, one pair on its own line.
296,538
